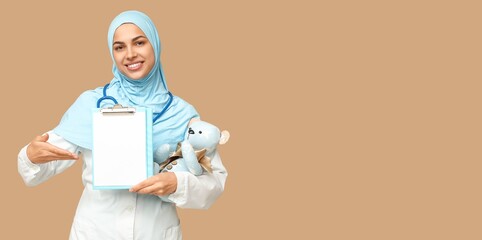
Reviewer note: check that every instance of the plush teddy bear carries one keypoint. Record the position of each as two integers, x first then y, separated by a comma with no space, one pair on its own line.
194,154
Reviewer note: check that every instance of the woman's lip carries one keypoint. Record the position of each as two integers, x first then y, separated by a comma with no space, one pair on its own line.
134,66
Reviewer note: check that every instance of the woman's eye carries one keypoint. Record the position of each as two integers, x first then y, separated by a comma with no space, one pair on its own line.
140,43
118,48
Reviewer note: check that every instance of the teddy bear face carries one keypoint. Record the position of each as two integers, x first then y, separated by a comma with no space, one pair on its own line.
203,135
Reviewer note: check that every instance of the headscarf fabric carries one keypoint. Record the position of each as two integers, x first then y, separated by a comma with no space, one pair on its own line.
150,92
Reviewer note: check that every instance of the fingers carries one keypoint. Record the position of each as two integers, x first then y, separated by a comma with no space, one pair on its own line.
52,152
157,188
41,151
146,183
160,185
43,138
63,154
139,186
152,189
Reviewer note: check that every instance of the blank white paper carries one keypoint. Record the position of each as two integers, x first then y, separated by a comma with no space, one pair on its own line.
120,157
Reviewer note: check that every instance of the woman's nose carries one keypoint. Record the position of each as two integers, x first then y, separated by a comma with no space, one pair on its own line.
131,53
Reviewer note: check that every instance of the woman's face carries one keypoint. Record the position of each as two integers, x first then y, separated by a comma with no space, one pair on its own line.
133,53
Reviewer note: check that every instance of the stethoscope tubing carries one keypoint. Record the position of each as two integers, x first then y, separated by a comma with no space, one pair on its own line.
157,115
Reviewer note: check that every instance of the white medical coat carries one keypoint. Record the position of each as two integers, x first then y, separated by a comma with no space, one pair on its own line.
120,214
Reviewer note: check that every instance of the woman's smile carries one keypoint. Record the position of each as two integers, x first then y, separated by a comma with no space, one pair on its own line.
134,66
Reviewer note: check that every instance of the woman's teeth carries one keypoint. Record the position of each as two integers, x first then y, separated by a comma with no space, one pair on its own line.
134,66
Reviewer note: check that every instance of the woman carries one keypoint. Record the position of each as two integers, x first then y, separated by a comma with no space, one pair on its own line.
138,81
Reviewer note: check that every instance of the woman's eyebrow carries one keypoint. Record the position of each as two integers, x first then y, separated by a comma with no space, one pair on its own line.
140,36
134,39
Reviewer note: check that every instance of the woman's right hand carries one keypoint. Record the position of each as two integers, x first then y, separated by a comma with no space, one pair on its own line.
40,151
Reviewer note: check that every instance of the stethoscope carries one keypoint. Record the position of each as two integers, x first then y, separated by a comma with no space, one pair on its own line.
157,115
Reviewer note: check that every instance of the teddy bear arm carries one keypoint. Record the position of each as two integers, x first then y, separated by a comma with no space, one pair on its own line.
190,158
162,153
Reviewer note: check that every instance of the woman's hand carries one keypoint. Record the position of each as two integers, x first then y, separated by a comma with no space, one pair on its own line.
161,184
40,151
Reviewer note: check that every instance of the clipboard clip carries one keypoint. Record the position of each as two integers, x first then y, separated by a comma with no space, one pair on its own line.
118,108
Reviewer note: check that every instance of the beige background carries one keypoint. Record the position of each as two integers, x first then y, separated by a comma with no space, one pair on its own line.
349,119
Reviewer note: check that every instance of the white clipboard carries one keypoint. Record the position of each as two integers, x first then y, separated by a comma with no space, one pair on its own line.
122,147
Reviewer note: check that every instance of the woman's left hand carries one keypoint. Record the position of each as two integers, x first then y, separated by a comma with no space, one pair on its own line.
161,184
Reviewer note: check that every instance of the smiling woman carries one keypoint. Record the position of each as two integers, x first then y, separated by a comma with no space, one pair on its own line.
133,53
138,81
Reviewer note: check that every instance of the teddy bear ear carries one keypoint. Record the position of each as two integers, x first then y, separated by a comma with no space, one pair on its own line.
224,137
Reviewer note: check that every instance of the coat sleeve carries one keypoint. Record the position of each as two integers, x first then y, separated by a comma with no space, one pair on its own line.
200,192
34,174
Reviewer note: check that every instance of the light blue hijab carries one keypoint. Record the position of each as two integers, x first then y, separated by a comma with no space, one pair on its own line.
150,91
